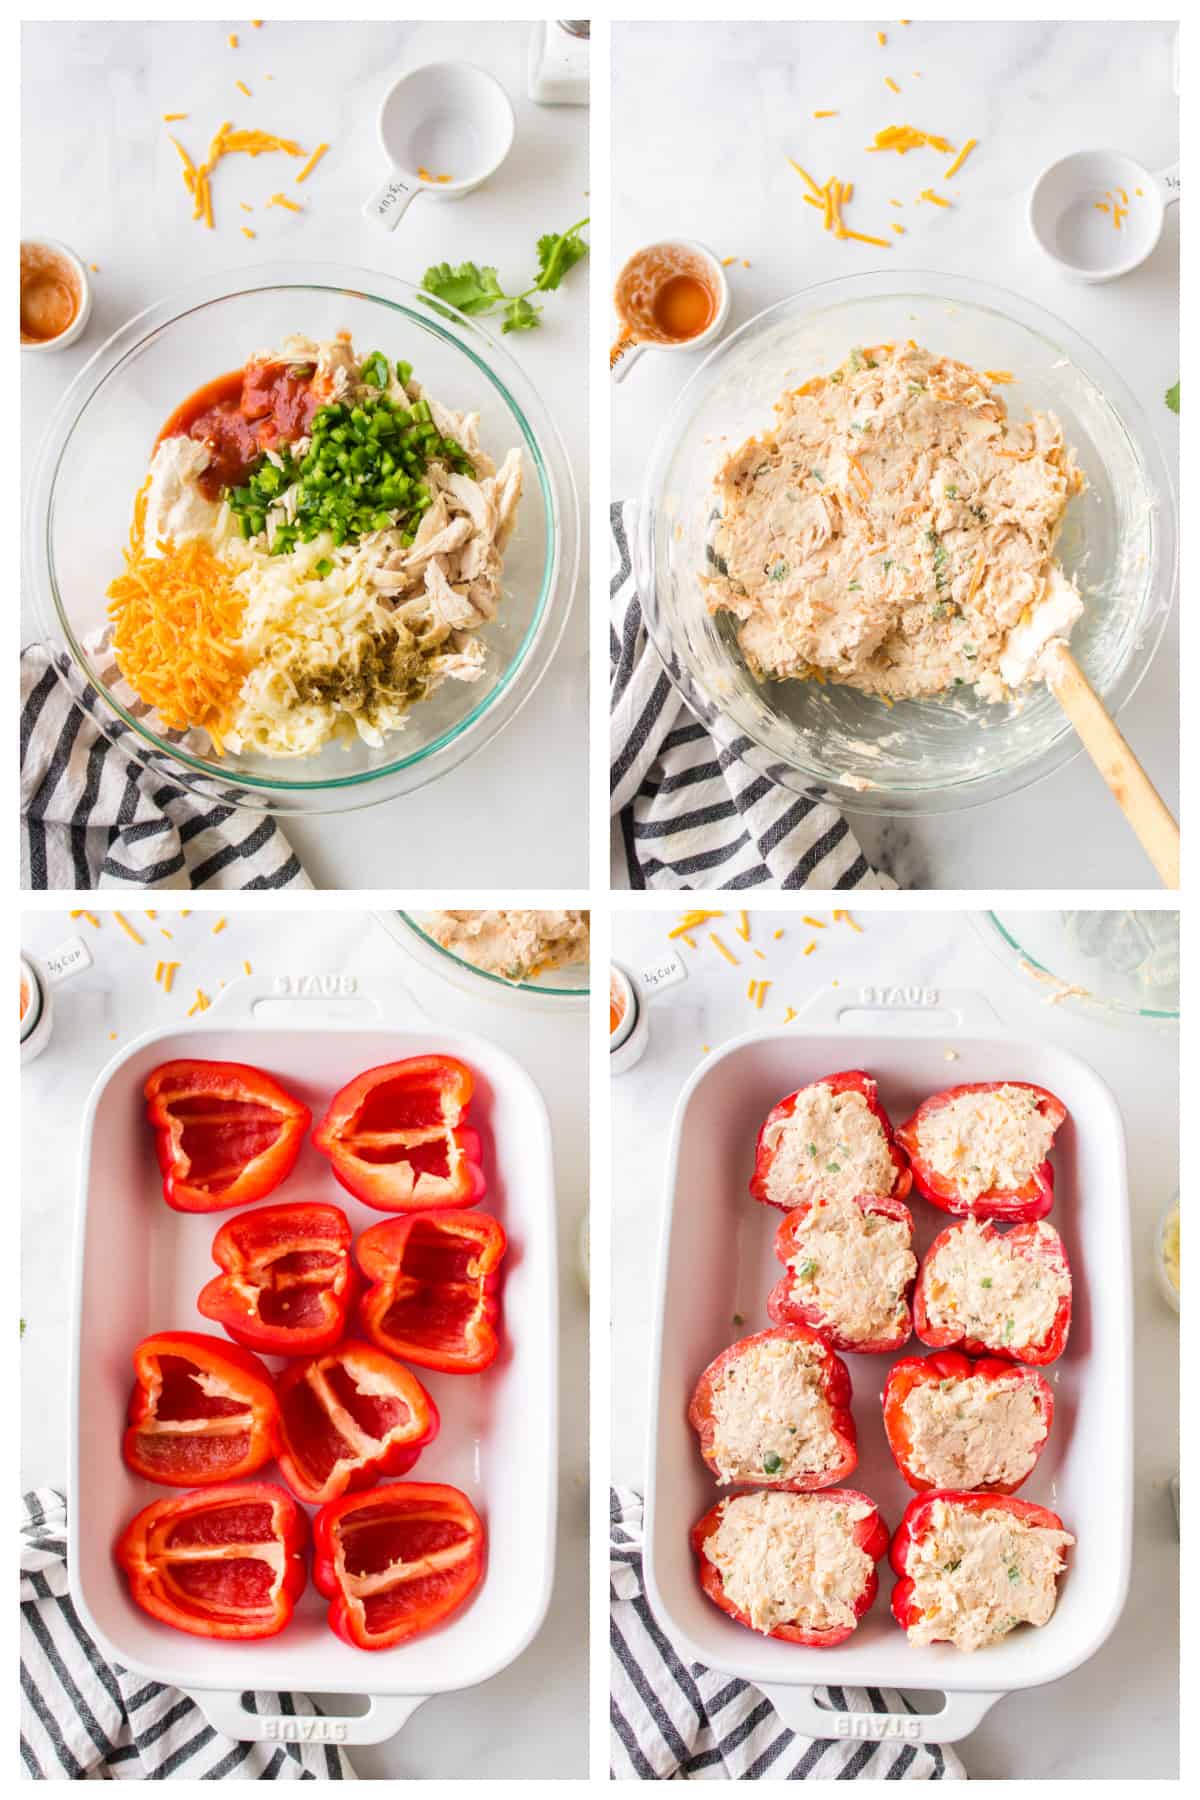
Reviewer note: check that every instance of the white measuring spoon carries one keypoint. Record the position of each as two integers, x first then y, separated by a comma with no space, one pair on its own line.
1098,213
445,128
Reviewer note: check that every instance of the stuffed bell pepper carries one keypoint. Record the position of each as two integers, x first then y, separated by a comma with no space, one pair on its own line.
227,1562
774,1410
850,1272
953,1423
983,1149
972,1567
831,1140
202,1411
347,1417
226,1134
795,1566
999,1293
287,1281
397,1137
396,1561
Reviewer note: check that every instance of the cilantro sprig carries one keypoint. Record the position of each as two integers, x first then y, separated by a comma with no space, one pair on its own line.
474,289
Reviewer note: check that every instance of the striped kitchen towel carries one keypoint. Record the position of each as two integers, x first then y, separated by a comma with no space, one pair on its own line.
671,1720
85,1719
685,813
99,813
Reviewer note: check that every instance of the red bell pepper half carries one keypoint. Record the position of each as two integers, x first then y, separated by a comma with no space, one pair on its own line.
833,1382
288,1281
396,1136
227,1562
869,1533
432,1297
918,1522
1035,1196
764,1184
202,1411
947,1369
396,1561
346,1418
947,1311
797,1302
226,1134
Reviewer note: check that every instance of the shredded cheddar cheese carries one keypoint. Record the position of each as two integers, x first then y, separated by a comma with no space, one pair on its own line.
903,138
789,1015
727,261
227,142
169,118
809,948
934,199
232,40
247,968
761,995
82,913
246,232
243,89
176,620
898,229
778,934
894,85
219,926
807,919
127,928
881,38
200,1004
282,200
313,160
961,158
825,115
742,927
846,919
725,951
1002,376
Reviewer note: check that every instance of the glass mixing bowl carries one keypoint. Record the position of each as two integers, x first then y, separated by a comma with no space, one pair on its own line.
96,452
558,990
1122,967
1118,539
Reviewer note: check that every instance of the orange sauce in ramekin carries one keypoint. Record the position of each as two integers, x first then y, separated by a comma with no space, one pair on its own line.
666,294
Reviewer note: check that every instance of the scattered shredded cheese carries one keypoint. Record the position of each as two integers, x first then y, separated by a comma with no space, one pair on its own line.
742,928
789,1015
934,199
228,142
246,232
313,160
200,1004
726,261
903,138
825,115
881,38
779,933
761,995
245,90
894,85
807,919
232,40
847,919
1001,376
82,913
961,158
219,926
761,955
725,952
169,118
247,968
899,229
165,933
127,928
809,948
158,969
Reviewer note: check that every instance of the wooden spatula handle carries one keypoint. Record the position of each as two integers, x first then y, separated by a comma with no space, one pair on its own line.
1128,782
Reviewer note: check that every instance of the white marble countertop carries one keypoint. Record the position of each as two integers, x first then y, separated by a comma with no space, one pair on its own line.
703,118
530,1720
1117,1716
98,173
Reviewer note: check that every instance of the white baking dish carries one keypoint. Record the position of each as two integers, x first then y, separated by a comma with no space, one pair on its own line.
139,1268
717,1261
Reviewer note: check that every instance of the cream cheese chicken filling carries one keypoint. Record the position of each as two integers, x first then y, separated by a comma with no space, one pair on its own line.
967,1433
830,1144
976,1282
769,1411
517,946
855,1269
977,1575
791,1558
984,1141
895,532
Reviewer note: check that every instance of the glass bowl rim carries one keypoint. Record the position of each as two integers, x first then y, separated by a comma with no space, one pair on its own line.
541,990
1003,945
1063,746
551,464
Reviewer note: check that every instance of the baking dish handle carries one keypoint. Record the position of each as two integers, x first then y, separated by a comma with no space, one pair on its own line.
386,1714
798,1708
310,998
901,1006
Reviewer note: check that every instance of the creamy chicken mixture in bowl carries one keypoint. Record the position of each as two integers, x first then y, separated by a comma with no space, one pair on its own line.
522,958
403,471
851,513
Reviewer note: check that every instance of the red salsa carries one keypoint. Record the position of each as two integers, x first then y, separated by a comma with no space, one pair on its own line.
242,414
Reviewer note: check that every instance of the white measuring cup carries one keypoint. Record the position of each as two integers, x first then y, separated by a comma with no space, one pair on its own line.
445,127
627,350
1098,213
